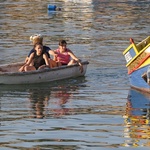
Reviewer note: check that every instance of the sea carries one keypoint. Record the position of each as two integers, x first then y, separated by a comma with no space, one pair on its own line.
96,112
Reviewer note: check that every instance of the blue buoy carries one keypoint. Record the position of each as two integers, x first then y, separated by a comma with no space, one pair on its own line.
51,7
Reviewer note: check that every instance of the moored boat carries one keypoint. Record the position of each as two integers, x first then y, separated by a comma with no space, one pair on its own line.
137,58
9,74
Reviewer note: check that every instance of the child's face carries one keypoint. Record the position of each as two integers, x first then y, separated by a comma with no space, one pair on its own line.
39,49
63,47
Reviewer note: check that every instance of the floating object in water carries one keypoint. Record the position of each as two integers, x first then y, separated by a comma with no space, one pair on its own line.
53,8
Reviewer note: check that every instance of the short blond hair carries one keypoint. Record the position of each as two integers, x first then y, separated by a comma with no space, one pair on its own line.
36,38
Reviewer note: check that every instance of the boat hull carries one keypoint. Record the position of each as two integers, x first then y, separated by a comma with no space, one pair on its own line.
136,80
41,76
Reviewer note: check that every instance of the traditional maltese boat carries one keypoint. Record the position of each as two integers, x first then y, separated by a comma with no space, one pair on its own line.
9,74
137,58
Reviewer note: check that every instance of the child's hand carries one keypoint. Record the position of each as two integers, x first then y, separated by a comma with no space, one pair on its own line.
21,69
55,55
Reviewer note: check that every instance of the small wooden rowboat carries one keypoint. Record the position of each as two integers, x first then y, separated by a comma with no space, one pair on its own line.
9,74
137,58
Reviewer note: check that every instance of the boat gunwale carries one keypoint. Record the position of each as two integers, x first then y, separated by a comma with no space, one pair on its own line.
37,71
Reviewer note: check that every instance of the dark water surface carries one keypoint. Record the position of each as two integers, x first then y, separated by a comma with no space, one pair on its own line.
88,113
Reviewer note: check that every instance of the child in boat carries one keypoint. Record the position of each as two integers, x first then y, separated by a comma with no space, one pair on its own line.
38,59
64,56
38,38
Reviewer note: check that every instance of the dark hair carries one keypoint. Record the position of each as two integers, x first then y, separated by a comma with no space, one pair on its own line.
62,42
38,44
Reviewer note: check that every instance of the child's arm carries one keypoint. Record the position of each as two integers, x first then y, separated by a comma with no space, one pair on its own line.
46,59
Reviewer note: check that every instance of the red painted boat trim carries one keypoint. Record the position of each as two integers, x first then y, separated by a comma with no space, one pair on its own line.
142,61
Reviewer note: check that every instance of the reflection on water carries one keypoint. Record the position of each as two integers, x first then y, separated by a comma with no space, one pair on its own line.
46,103
38,101
60,100
58,115
137,119
43,100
